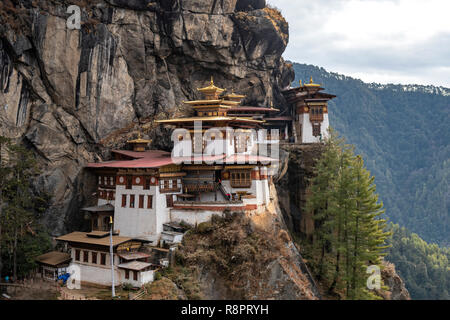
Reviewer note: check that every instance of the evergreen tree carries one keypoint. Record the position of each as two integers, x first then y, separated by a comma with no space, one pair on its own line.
367,233
349,233
4,173
20,207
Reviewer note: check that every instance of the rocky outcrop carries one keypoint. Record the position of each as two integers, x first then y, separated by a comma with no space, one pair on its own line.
70,94
298,167
396,286
247,257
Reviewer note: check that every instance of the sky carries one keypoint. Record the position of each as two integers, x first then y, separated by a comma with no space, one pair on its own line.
384,41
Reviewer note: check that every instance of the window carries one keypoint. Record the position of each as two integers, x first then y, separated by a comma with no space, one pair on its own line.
147,183
77,255
316,129
85,256
131,200
149,202
141,201
169,201
124,200
316,113
94,257
169,185
241,143
135,275
103,259
129,182
241,179
127,274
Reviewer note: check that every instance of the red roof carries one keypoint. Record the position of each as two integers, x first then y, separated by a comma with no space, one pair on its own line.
146,159
286,118
158,158
245,158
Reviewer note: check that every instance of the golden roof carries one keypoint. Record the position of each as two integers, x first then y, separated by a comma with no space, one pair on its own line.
234,95
212,102
139,140
208,119
211,88
311,83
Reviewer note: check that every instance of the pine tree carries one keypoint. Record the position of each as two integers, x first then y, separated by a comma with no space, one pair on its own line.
20,205
4,173
368,235
349,234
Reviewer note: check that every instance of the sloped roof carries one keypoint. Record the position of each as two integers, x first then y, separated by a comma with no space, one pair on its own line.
145,159
134,265
82,237
53,258
105,207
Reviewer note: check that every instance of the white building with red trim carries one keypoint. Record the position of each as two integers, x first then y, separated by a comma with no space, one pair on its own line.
211,170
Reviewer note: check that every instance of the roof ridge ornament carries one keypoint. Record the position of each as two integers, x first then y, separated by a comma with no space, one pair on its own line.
311,83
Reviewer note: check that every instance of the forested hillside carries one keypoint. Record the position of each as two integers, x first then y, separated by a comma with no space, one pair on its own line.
424,267
403,134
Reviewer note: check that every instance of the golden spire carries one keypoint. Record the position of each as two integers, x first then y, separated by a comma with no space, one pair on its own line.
211,91
300,82
139,143
311,83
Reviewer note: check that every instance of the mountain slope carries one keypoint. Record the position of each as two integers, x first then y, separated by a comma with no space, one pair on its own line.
403,133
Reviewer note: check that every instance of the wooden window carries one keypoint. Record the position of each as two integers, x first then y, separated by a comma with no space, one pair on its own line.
127,274
129,182
141,201
175,184
169,201
241,143
316,113
124,200
150,202
103,259
94,257
131,200
240,179
85,256
135,275
316,129
166,184
197,143
147,183
77,255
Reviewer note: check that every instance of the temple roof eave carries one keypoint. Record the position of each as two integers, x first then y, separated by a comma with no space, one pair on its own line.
206,119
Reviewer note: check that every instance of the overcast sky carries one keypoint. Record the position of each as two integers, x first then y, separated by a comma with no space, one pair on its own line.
385,41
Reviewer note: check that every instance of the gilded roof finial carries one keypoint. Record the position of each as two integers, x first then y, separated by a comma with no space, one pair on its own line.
311,80
139,135
271,105
212,80
300,82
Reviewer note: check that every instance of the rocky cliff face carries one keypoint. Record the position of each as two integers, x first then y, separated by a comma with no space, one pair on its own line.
292,184
70,94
